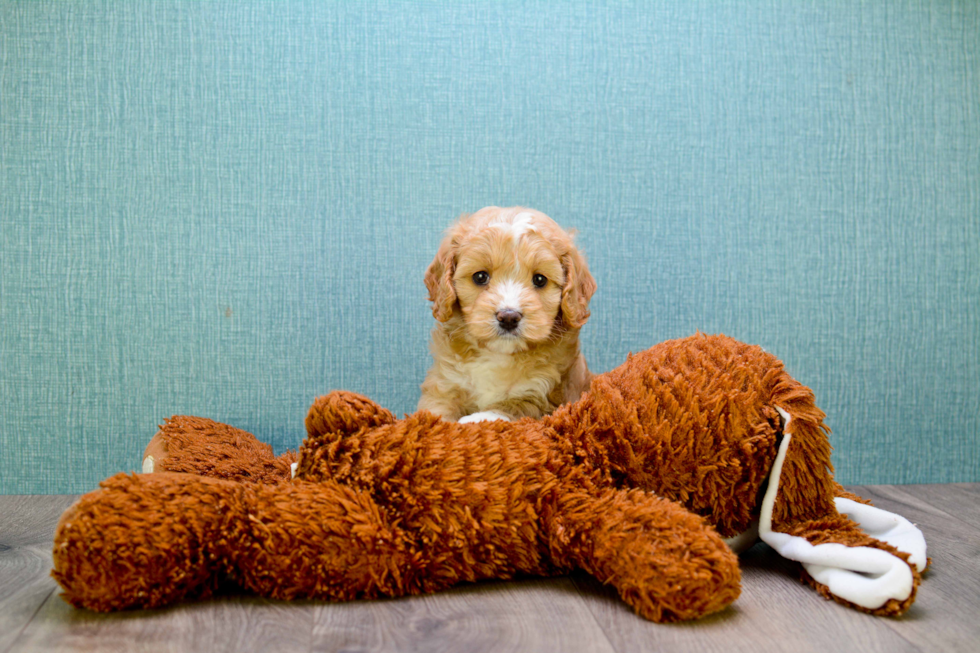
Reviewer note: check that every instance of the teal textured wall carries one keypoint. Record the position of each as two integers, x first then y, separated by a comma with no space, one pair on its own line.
226,208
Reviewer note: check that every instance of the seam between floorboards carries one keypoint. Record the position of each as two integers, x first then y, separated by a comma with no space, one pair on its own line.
595,620
312,641
40,605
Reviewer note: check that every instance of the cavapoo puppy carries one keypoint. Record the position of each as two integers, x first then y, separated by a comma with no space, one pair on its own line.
510,292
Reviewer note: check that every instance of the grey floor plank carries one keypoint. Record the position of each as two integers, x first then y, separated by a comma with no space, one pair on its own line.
31,518
960,500
531,614
775,611
26,530
944,617
487,617
232,625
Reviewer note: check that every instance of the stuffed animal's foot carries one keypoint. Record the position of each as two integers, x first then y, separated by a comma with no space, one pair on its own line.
871,563
146,541
845,564
877,550
196,445
665,561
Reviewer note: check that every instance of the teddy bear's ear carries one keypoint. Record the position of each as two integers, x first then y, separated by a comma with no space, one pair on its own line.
344,413
332,418
439,275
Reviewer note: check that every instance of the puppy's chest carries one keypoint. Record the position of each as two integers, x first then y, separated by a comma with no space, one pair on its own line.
492,378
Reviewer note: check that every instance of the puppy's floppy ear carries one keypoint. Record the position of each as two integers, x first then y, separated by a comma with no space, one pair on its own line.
578,290
439,277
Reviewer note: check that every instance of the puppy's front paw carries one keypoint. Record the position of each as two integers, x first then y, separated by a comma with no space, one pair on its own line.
484,416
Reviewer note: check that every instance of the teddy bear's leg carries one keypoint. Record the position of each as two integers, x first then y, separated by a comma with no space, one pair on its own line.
151,540
875,570
665,561
196,445
145,541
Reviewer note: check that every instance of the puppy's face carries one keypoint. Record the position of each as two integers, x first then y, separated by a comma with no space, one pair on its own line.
513,275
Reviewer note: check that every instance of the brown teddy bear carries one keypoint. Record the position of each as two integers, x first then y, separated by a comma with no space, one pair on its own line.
637,483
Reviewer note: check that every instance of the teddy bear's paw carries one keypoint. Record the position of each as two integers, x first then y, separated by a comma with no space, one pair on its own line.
196,445
684,589
665,561
155,453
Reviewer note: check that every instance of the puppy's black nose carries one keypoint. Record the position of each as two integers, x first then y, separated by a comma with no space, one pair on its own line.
508,319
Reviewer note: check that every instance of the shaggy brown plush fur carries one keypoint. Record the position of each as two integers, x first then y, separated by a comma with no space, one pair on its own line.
227,452
633,483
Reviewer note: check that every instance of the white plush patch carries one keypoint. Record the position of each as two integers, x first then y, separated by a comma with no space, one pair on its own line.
743,541
148,465
292,470
865,576
887,527
485,416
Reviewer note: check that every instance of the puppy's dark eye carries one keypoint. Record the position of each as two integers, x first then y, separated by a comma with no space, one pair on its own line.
481,278
539,280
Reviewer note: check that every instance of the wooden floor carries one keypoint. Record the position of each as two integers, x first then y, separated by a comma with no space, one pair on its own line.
774,613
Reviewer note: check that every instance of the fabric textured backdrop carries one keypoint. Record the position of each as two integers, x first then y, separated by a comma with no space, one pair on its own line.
226,208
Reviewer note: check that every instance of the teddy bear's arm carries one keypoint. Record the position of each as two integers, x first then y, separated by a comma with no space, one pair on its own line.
196,445
664,560
149,540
